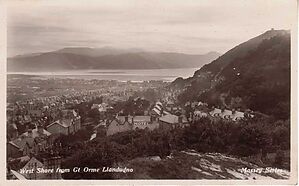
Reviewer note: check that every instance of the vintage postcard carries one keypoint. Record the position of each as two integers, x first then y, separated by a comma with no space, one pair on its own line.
149,92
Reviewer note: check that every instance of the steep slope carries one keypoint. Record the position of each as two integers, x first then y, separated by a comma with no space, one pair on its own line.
258,78
193,165
180,60
238,52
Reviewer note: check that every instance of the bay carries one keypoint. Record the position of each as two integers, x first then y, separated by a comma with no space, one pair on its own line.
120,75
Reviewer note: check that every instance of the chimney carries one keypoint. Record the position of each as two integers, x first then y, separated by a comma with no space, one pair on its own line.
26,129
29,132
162,110
152,119
126,118
180,119
40,129
233,111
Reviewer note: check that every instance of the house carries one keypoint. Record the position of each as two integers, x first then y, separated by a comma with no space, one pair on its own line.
70,123
127,123
20,147
30,142
157,109
34,164
215,112
39,131
100,129
169,103
225,114
170,121
199,114
118,124
12,131
237,115
70,114
13,150
65,127
145,122
100,107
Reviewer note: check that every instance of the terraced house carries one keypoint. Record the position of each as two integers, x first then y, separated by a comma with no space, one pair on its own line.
30,142
127,123
69,124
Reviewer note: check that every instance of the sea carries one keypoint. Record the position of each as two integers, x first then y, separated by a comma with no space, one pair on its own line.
120,75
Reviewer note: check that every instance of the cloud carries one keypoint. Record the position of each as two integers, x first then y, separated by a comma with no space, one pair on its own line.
176,26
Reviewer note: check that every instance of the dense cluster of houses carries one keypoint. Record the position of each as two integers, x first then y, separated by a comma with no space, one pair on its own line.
126,123
157,118
36,141
165,117
34,168
44,119
69,124
168,116
26,118
34,124
203,110
40,138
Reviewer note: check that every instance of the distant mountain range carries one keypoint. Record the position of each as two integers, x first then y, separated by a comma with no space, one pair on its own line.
105,58
254,74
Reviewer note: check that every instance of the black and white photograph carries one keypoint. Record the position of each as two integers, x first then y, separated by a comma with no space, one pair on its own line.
151,90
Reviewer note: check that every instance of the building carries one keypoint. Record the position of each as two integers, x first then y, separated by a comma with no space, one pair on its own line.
199,114
157,109
224,114
215,112
65,127
170,121
145,122
39,131
127,123
30,142
100,107
33,164
13,150
69,124
118,124
237,115
12,131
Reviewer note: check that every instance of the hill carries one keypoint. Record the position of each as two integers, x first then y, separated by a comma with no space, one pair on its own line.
190,164
255,75
105,58
96,52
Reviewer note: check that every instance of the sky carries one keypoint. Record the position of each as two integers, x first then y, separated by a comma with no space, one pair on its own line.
185,26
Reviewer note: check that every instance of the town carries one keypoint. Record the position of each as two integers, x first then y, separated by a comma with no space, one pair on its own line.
37,125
